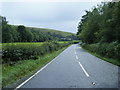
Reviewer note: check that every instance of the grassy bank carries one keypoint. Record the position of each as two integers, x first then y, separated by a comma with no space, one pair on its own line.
104,52
23,68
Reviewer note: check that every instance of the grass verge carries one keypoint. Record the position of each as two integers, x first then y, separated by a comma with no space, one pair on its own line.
110,60
10,74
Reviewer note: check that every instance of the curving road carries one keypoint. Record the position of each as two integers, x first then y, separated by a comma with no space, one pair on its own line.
74,68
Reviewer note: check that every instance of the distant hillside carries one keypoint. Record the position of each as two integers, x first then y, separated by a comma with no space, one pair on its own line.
15,33
59,35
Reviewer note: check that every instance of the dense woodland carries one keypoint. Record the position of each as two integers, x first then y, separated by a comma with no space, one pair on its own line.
12,33
99,29
101,24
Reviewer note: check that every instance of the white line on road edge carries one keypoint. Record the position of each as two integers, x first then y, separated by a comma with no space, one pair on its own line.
34,75
76,57
84,70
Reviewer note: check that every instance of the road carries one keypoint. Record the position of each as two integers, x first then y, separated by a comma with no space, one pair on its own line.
74,68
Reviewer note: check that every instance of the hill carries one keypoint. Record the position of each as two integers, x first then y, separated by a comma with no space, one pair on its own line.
59,35
20,33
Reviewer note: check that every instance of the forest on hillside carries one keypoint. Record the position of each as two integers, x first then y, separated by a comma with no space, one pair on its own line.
21,33
99,30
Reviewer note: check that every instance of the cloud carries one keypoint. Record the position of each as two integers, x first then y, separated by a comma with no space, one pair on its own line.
57,15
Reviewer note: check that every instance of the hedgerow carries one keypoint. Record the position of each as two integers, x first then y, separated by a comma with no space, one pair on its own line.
12,53
110,50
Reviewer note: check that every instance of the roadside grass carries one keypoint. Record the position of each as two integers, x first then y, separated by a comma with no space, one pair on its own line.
110,60
11,74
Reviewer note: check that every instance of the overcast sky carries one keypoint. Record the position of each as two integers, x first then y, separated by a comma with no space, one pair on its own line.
62,16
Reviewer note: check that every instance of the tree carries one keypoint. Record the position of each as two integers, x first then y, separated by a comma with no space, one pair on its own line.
101,24
6,31
24,35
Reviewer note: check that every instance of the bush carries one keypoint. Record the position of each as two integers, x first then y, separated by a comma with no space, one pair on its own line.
13,52
110,50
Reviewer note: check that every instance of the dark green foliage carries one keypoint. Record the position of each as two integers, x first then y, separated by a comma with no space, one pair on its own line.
22,33
7,34
16,52
110,50
101,24
99,30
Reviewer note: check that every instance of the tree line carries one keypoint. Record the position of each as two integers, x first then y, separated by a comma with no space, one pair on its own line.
99,30
101,24
12,33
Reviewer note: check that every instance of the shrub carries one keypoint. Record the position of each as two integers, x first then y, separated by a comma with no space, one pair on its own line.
110,50
13,52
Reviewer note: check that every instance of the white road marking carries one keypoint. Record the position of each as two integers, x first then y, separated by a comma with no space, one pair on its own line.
76,57
84,70
33,75
75,51
75,54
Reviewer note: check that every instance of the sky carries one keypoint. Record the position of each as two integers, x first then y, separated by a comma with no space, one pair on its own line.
62,16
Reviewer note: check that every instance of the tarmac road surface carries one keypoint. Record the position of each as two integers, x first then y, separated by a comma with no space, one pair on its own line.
74,68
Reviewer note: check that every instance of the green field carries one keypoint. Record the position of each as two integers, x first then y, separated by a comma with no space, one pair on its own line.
30,43
23,43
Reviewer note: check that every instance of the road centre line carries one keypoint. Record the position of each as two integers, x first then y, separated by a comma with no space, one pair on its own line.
83,69
75,54
33,75
76,57
75,51
81,64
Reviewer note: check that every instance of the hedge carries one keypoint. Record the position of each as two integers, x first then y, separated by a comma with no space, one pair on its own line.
110,50
12,53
